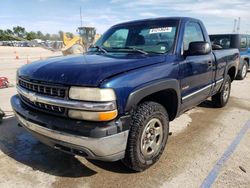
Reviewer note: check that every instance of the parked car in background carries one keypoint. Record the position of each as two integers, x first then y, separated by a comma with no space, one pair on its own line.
240,41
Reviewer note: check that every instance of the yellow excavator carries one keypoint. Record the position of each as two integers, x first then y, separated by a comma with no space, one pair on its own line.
79,44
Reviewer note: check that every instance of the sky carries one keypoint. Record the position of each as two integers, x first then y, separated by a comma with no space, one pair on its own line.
50,16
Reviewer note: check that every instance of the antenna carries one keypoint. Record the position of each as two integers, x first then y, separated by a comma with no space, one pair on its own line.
81,15
238,26
235,23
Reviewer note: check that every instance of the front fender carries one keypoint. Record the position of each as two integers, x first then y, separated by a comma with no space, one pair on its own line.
146,79
139,93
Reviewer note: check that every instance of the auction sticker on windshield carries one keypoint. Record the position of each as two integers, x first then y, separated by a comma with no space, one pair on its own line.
161,30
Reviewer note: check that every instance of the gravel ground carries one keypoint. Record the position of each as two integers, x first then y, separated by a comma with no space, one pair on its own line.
199,139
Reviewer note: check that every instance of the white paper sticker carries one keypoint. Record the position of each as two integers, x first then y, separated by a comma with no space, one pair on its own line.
161,30
163,48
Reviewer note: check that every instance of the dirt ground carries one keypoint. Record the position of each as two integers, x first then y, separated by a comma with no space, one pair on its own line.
199,144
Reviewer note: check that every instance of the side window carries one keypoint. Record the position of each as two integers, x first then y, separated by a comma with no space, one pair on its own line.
193,33
243,42
117,39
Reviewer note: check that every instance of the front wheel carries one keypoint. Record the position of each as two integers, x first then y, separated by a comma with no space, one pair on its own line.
148,136
220,99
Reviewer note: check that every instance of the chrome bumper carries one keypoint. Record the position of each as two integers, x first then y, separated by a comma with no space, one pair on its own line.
110,148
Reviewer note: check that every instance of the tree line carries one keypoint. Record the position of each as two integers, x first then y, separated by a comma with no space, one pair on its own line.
20,33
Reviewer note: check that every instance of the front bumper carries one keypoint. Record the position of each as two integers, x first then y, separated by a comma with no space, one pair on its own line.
108,144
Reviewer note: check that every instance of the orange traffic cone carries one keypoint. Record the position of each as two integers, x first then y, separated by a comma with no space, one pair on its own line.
16,54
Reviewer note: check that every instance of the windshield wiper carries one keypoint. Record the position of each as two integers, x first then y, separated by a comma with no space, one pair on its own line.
99,48
132,48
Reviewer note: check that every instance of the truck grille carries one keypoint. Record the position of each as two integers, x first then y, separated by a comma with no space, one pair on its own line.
53,91
43,89
45,107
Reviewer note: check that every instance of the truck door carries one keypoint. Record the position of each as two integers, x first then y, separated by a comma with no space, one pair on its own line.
196,72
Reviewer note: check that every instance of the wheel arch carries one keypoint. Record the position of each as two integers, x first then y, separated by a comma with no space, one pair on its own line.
232,73
166,93
247,60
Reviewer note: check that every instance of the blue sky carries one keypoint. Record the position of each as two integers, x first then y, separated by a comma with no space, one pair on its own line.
54,15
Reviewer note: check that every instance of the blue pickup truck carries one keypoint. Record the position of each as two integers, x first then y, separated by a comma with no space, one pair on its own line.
239,41
116,101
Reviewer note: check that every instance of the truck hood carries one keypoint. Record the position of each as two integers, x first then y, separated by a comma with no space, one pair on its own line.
85,70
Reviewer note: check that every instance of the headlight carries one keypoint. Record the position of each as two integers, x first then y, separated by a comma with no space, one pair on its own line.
102,108
93,116
92,94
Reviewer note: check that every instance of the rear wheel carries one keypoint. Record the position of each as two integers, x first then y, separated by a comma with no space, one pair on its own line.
148,136
243,72
220,99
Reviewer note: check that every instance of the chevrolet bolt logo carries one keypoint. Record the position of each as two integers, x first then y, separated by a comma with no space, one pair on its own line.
32,97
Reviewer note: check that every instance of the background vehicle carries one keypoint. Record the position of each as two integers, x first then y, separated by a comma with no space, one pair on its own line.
240,41
79,44
116,101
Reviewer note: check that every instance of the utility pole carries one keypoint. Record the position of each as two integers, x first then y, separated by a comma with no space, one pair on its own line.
235,23
238,27
81,15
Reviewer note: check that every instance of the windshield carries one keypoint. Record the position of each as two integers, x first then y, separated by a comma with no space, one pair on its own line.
146,37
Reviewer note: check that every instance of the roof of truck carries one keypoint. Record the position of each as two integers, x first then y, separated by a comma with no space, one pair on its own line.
157,19
228,34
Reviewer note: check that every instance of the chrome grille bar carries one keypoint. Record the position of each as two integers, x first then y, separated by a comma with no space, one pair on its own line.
56,91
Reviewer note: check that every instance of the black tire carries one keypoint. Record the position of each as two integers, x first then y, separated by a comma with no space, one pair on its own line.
146,112
243,72
220,99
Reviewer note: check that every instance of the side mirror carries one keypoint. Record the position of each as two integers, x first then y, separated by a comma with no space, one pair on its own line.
198,48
